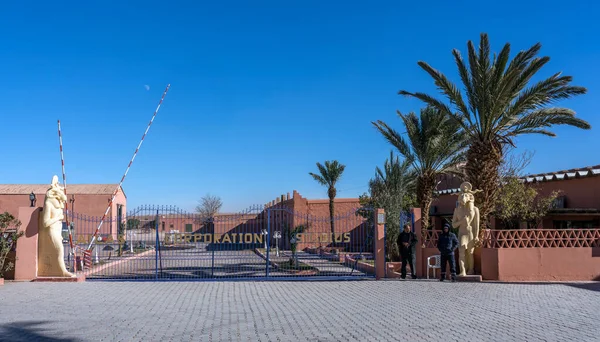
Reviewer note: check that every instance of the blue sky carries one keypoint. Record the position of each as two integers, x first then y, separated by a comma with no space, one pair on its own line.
260,90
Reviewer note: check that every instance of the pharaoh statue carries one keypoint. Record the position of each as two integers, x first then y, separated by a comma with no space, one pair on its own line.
51,261
466,219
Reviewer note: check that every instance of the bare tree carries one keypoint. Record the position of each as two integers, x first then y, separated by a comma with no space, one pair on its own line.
209,206
514,164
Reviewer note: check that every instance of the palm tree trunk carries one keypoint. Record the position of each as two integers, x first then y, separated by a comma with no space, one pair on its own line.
425,187
331,219
483,163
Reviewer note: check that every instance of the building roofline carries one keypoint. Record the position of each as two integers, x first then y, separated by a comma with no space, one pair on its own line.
81,189
582,172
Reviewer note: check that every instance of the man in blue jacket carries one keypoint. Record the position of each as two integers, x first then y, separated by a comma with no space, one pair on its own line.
447,243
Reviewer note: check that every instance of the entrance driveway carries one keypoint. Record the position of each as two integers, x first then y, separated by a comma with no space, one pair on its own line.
299,311
196,262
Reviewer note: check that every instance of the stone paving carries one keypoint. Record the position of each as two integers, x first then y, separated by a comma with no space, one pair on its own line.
390,310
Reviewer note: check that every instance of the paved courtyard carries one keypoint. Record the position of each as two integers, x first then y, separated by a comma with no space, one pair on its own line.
299,311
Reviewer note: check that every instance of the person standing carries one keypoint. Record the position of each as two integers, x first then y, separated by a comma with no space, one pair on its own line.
407,240
447,244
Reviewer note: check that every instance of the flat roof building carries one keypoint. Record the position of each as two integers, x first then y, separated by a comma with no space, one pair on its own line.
578,206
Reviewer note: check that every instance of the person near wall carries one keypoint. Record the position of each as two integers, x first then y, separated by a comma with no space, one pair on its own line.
407,241
447,244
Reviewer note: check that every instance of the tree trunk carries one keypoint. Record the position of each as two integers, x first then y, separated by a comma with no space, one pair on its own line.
332,192
331,219
425,188
483,163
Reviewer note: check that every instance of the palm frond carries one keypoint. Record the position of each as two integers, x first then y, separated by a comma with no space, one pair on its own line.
467,82
535,121
433,139
496,92
318,178
329,173
448,88
395,139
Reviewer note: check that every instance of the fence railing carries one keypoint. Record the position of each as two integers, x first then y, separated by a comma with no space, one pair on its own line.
542,238
530,238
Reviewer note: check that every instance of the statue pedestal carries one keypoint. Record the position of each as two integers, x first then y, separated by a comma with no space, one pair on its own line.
78,279
474,278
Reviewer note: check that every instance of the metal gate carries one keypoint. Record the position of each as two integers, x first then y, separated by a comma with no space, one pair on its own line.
166,243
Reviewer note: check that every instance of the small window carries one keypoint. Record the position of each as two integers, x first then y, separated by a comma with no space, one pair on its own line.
188,228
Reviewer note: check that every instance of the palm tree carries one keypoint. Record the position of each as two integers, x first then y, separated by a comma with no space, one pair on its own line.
434,147
330,174
388,189
391,184
498,104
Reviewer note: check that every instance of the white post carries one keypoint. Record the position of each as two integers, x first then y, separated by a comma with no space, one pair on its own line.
265,233
131,242
96,260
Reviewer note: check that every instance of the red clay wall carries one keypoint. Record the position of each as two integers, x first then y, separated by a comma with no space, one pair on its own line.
541,264
85,204
316,212
580,192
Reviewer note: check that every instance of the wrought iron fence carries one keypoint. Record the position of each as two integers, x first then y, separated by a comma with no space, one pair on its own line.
162,243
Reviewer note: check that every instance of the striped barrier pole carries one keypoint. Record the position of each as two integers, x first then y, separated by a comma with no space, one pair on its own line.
88,251
72,251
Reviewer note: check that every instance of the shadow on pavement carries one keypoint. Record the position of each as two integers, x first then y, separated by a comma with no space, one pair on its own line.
29,331
591,286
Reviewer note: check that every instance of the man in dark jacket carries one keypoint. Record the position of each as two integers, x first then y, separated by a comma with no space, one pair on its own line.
407,241
447,243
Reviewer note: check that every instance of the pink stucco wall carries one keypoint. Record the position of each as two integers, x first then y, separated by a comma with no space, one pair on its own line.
91,205
541,264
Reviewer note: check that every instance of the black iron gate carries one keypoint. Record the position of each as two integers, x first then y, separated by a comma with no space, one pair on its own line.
166,243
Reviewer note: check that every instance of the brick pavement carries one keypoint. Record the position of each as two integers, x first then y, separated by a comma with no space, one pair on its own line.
299,311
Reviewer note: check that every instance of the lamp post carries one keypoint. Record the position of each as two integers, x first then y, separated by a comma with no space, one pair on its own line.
277,236
32,199
265,233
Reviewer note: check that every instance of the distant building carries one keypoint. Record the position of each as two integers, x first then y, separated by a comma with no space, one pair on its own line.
577,207
86,200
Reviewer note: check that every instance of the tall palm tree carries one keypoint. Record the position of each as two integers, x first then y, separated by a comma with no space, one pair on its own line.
434,147
497,104
330,174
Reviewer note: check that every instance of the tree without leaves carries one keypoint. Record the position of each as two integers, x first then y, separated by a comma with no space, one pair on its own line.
499,103
434,147
209,207
329,175
512,164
